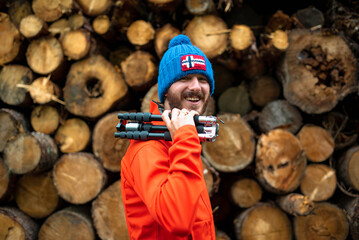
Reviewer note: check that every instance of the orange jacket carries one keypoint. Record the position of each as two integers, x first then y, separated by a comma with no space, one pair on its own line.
163,189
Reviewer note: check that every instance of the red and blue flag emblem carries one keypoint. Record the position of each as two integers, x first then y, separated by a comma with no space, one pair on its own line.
193,62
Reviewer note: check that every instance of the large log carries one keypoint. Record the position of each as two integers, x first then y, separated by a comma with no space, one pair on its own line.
14,224
265,220
67,224
12,123
7,183
295,204
348,168
92,87
73,183
49,10
36,195
234,147
30,152
280,161
108,214
317,71
328,221
235,100
105,146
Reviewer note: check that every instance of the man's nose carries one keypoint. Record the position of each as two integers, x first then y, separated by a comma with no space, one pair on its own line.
194,83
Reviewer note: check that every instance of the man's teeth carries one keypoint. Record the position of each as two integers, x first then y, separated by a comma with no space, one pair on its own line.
192,99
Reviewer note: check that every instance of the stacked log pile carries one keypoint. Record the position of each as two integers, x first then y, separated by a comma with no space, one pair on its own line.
284,166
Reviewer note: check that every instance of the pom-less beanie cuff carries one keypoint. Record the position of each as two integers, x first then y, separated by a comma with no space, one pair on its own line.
182,59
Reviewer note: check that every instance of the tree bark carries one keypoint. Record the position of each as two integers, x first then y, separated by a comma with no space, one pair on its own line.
30,152
67,224
280,161
73,136
14,224
319,182
105,146
234,148
92,87
269,221
36,195
327,222
317,143
108,214
73,183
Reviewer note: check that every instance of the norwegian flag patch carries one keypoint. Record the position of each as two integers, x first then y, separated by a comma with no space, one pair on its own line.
193,62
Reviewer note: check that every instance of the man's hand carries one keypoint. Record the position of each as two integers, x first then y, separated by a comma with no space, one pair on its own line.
178,119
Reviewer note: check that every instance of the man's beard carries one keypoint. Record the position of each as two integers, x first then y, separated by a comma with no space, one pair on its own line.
174,101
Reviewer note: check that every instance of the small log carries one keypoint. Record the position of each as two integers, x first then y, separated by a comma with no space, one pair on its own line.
11,75
32,26
319,182
278,21
348,168
67,224
263,90
105,146
317,142
140,70
44,55
253,67
108,214
30,152
12,123
234,147
264,220
94,7
73,135
246,192
74,184
163,36
36,195
101,24
242,40
295,204
280,114
42,90
14,224
126,12
317,71
59,27
92,87
7,183
140,33
202,30
77,21
18,9
151,95
280,161
211,177
49,10
221,235
200,7
76,44
10,39
163,4
235,100
118,55
328,221
45,119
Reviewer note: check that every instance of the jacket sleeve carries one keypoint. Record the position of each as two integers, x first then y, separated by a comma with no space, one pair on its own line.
170,184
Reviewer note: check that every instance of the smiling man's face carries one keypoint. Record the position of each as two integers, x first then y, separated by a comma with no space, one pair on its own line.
191,92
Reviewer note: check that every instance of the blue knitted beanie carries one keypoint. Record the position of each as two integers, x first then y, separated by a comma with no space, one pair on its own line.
182,59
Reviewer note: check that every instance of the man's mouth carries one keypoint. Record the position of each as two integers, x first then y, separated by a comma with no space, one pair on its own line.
192,99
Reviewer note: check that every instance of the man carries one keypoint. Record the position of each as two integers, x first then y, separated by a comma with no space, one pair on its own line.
163,188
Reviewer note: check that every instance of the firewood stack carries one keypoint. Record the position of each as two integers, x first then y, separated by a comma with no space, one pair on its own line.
284,166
